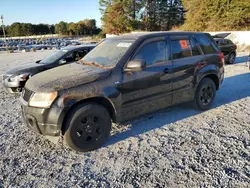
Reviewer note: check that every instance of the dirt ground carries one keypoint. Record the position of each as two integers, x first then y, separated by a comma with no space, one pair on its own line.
176,147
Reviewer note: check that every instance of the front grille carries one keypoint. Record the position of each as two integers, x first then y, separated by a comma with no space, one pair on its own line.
26,94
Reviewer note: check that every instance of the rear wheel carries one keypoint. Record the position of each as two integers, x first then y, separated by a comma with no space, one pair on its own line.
231,58
205,94
87,127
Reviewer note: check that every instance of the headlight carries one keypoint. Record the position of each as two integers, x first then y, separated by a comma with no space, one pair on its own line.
20,77
42,100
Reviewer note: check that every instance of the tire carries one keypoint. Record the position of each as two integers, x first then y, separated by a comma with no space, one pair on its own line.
231,58
87,126
204,101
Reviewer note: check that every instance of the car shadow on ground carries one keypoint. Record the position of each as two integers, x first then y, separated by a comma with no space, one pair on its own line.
233,88
241,59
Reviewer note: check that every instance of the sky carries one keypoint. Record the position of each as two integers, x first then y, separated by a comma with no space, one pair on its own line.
49,11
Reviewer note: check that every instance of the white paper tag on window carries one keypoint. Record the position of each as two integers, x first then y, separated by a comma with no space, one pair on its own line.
124,44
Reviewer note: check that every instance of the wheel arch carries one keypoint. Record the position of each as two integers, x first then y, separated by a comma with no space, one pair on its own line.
103,101
214,78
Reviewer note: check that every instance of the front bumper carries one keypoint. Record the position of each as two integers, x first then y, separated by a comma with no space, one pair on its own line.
45,121
11,87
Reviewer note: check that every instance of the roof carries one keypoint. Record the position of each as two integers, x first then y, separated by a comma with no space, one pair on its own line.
79,46
148,34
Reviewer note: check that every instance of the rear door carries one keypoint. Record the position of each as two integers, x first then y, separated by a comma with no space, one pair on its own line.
150,89
209,49
186,56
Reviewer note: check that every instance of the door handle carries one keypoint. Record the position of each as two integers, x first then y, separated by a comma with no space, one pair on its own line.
118,84
166,70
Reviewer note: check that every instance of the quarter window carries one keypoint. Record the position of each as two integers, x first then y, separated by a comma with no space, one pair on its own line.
152,52
206,45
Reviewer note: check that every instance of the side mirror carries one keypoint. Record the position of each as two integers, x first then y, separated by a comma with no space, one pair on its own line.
38,61
135,65
62,61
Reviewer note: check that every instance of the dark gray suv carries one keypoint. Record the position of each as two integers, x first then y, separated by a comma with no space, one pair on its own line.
122,78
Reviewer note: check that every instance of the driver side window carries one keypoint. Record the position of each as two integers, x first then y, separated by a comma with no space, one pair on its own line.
152,52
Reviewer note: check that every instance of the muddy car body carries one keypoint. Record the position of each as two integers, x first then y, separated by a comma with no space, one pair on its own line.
122,78
15,79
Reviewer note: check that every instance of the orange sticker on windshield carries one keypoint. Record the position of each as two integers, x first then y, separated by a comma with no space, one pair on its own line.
183,44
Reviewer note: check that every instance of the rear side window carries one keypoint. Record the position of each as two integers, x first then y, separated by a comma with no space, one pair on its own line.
181,48
152,52
206,45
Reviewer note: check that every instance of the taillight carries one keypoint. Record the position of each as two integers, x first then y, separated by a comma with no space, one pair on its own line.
221,55
235,46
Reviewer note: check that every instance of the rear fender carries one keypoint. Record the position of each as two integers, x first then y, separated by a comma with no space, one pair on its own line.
205,71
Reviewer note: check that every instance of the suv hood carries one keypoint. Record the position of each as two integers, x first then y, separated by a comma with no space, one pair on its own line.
24,68
65,77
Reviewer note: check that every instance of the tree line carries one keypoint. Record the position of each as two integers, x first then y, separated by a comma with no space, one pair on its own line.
121,16
83,27
217,15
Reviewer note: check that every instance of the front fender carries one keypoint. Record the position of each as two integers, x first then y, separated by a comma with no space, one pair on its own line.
66,101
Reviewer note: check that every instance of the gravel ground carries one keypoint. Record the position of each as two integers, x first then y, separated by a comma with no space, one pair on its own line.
176,147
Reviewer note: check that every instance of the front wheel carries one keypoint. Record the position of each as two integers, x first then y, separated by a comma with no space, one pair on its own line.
205,94
87,127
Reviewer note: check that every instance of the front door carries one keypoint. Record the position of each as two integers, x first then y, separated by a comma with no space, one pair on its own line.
150,89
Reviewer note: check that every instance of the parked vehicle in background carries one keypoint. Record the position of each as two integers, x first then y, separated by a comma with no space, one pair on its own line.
15,79
122,78
38,44
227,47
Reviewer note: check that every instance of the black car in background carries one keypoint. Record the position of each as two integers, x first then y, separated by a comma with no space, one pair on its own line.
227,47
122,78
15,79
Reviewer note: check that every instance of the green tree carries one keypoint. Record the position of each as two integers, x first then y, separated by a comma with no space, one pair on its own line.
72,28
26,29
152,15
162,15
104,4
61,28
15,29
87,26
215,15
81,28
115,19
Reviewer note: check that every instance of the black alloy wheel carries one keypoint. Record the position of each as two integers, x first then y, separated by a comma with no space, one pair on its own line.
87,127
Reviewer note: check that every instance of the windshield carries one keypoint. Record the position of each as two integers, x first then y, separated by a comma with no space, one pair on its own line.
107,53
53,57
